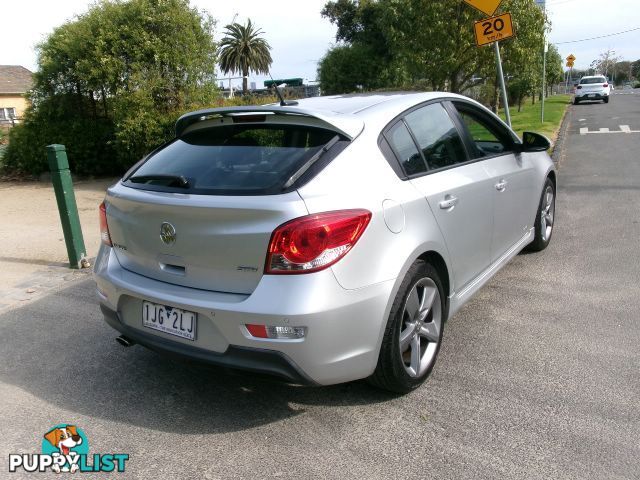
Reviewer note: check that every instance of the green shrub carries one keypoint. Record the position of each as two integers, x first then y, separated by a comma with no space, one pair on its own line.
111,84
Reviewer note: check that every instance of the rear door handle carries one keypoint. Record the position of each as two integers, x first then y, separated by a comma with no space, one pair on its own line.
501,185
449,202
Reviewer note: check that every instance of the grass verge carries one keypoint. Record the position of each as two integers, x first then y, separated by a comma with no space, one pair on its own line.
528,119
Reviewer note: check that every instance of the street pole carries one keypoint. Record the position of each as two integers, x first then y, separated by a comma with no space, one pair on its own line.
544,75
505,102
63,188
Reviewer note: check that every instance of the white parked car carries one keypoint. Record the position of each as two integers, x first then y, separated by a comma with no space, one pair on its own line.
592,88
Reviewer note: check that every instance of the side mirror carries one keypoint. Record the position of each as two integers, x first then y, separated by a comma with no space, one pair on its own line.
534,142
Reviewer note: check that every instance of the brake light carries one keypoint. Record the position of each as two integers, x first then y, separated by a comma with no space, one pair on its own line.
104,227
579,87
314,242
605,85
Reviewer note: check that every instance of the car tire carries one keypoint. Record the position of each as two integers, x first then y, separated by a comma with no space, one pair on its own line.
606,100
576,101
413,333
545,218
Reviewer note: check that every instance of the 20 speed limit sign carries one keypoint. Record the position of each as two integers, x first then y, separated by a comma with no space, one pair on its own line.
493,29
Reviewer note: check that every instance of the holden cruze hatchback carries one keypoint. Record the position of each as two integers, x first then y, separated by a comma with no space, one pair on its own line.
321,241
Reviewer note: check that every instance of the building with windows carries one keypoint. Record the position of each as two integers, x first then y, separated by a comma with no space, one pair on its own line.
15,82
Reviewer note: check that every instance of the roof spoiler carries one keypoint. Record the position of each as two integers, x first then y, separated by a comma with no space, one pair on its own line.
344,124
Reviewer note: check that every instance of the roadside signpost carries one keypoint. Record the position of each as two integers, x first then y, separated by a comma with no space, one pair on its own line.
570,59
493,30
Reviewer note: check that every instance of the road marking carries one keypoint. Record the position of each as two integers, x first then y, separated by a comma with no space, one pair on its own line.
582,120
623,129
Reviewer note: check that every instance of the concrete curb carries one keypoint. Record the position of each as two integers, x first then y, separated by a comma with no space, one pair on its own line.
558,152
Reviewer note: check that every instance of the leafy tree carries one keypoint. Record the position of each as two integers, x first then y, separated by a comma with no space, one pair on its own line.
111,83
605,62
347,68
431,42
243,50
635,69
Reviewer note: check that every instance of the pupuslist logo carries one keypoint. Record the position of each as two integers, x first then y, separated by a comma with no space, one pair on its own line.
65,448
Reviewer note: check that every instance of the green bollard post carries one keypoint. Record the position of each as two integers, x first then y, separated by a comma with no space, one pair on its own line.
63,186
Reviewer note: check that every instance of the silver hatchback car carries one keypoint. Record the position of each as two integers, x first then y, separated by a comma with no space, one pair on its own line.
324,240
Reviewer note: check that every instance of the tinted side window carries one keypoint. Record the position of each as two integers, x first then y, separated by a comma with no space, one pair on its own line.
405,148
437,136
485,136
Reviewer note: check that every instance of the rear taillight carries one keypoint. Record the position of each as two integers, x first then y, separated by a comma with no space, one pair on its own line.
312,243
579,87
605,85
104,228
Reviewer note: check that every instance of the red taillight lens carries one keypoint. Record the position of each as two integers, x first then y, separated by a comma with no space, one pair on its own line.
104,228
312,243
579,87
605,85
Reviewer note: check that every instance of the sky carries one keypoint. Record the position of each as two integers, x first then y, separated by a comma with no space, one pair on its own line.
299,36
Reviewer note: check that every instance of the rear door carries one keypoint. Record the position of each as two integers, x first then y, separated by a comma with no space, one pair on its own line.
458,192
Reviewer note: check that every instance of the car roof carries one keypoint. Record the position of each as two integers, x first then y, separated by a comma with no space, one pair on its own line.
363,105
348,113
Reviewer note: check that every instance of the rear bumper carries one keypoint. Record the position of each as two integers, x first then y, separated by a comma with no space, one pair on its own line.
591,95
344,327
251,359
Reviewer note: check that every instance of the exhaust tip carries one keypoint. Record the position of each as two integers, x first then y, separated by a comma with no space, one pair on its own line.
125,341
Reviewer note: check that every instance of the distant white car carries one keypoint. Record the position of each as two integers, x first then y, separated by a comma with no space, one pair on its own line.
592,88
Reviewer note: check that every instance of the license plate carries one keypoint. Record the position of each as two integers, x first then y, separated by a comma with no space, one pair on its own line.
591,95
171,320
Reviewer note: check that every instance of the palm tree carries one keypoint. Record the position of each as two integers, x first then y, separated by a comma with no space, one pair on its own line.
242,50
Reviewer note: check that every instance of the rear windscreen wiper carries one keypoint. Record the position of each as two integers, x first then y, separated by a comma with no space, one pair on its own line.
171,180
307,165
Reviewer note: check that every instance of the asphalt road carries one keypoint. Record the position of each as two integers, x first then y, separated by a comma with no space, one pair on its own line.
538,376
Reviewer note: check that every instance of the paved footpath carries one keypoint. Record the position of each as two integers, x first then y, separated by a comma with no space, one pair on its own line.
538,376
33,256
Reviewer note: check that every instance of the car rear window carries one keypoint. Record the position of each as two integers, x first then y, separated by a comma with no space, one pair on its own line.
247,159
586,81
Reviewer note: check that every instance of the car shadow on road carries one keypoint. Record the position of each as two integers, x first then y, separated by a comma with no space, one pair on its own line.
59,349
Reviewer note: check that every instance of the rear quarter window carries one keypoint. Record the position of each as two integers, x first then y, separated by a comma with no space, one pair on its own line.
233,159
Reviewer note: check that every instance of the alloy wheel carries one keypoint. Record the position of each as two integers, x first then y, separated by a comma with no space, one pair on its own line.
547,212
420,327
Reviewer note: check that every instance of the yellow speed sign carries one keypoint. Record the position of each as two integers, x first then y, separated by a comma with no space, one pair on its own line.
493,29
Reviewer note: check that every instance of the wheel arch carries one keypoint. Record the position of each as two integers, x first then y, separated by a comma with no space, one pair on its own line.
435,259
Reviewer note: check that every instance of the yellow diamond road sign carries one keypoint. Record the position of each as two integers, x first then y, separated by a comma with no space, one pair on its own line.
571,58
485,6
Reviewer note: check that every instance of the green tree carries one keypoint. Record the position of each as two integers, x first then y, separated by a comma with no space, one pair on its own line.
635,69
244,51
349,68
111,83
431,42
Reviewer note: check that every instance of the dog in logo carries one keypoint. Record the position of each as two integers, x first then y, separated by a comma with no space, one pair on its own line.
64,439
